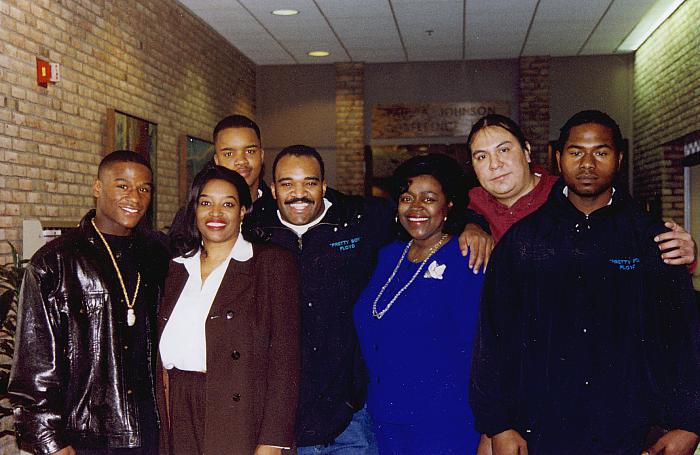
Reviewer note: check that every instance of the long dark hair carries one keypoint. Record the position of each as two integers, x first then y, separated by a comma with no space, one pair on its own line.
504,122
187,242
452,179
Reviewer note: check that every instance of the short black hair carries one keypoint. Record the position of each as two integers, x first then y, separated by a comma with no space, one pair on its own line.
188,241
298,150
451,177
236,121
122,156
595,117
504,122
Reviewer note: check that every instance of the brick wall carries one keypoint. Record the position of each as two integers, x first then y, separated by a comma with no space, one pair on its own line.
150,58
349,130
666,106
533,104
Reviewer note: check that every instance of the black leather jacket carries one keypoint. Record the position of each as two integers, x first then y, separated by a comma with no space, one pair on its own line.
70,383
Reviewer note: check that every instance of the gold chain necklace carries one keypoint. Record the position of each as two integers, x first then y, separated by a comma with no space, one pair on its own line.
433,249
130,314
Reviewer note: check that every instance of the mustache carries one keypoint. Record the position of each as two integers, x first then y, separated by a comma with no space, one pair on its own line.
297,200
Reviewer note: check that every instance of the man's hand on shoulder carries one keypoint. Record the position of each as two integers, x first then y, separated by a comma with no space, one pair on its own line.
509,442
675,442
678,245
484,446
479,242
66,451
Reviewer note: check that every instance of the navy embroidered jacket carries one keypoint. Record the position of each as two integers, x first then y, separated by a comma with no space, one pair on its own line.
586,338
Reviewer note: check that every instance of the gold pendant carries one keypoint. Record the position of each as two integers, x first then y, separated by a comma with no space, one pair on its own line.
130,317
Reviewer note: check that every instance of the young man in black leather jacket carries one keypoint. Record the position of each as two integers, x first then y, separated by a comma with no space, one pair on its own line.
82,380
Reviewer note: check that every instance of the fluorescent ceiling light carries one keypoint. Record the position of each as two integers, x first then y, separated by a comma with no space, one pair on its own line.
318,54
285,12
656,16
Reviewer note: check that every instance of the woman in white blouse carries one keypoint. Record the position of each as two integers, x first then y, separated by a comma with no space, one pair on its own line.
229,331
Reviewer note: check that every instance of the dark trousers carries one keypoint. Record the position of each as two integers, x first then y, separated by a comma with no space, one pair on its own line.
187,406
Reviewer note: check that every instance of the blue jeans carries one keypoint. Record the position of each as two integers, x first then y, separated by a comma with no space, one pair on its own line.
357,439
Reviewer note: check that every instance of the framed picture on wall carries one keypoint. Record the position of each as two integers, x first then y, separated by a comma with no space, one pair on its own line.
127,132
195,153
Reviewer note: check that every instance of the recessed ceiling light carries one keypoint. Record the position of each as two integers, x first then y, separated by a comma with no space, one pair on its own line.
318,54
285,12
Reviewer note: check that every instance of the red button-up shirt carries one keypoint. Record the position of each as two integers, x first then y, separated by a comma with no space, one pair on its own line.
501,217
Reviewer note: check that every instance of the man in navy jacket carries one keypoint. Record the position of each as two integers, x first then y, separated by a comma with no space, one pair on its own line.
587,340
335,238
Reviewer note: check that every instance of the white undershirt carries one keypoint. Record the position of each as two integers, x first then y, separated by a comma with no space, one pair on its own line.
565,190
183,344
301,229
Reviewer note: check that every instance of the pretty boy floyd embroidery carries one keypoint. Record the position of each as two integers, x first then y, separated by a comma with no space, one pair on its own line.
345,245
626,264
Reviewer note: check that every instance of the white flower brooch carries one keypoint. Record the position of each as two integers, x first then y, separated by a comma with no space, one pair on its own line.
435,270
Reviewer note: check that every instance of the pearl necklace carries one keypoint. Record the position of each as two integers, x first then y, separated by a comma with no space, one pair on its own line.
433,249
130,314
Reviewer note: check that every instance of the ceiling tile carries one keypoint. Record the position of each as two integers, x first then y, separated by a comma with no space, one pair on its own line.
556,31
621,18
471,29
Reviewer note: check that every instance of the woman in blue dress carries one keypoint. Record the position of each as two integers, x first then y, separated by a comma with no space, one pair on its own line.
417,317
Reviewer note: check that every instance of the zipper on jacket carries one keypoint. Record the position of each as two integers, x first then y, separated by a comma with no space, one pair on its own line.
300,241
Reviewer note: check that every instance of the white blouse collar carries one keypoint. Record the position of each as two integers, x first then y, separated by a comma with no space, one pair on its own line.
242,251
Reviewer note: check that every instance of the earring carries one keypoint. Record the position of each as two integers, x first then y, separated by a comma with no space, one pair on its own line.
396,219
445,219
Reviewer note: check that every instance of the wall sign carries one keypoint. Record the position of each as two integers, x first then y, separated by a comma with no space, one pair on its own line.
391,121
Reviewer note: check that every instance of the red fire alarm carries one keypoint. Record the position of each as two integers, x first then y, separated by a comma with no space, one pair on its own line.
43,72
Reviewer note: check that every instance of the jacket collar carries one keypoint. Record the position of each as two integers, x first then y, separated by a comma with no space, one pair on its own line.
241,251
87,229
265,215
236,283
562,205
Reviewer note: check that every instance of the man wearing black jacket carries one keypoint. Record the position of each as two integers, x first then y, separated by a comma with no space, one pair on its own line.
83,372
336,238
587,340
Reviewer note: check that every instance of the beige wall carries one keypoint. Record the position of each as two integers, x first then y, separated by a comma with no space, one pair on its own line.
694,212
593,82
149,58
296,105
